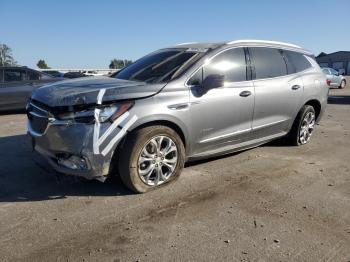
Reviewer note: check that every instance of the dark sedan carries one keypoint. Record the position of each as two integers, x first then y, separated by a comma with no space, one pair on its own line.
17,84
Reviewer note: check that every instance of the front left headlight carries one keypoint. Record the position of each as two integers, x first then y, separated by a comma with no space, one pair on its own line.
104,113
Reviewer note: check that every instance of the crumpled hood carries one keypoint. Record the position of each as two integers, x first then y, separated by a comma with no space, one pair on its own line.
85,91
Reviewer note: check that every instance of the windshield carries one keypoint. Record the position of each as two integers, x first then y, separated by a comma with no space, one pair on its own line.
160,66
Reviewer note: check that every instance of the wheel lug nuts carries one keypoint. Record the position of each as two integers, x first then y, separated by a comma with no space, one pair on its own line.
162,158
153,162
156,165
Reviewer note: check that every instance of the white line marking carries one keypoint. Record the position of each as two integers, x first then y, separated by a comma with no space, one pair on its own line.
96,132
112,127
100,96
119,136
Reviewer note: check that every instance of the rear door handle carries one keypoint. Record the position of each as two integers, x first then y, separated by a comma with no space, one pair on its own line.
296,87
245,93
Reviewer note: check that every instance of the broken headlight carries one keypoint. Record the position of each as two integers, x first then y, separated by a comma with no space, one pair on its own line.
101,113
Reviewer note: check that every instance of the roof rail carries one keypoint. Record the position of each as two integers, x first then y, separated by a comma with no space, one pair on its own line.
262,42
188,43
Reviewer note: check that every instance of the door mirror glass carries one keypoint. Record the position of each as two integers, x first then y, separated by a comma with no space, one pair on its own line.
213,81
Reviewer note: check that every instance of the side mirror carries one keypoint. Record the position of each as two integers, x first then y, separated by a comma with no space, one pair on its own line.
213,81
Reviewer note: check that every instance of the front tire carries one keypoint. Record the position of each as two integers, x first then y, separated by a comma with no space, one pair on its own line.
151,157
303,126
342,84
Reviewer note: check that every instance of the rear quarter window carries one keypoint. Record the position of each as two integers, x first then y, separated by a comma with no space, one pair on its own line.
297,60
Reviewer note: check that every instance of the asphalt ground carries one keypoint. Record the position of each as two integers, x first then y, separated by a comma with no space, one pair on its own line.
271,203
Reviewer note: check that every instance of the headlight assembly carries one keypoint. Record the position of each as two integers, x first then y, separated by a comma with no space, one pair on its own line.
103,113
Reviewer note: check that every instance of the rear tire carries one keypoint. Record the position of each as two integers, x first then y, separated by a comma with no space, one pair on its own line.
303,126
151,157
342,84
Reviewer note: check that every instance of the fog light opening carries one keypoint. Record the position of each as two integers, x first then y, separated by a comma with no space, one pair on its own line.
73,162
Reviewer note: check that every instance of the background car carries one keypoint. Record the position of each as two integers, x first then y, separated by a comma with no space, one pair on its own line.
53,73
74,75
91,73
334,78
17,84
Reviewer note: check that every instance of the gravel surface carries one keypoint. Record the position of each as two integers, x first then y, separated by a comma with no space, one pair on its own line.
271,203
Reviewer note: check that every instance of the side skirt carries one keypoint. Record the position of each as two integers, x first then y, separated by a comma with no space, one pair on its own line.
235,148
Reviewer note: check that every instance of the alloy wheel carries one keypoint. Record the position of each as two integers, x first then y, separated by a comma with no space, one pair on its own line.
157,160
307,127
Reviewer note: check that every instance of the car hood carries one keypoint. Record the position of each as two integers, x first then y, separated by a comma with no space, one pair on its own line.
86,90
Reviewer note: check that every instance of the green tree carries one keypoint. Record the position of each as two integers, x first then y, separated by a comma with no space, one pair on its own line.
6,58
119,63
42,64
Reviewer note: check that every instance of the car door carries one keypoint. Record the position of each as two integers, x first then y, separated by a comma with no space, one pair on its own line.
15,89
277,93
221,117
336,79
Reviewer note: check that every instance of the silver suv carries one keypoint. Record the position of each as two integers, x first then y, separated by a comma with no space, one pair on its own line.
186,102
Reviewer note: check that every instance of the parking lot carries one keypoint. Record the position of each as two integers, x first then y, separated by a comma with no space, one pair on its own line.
271,203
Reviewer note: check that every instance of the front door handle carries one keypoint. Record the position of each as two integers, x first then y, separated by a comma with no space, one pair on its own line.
245,93
296,87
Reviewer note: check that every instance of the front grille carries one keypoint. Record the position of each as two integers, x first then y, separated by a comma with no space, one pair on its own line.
38,118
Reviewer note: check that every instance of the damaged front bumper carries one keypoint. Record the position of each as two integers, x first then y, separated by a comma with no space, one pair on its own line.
67,146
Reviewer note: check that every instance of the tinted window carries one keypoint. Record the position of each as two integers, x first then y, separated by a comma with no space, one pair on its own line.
268,62
325,71
11,75
160,66
1,75
298,60
31,75
230,63
334,72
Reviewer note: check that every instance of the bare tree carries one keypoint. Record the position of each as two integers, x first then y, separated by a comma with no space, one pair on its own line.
6,58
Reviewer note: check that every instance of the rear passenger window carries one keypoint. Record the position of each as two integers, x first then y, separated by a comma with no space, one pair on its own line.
11,75
230,63
325,71
33,75
298,60
268,62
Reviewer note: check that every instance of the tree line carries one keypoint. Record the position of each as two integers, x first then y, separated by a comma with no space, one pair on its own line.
7,59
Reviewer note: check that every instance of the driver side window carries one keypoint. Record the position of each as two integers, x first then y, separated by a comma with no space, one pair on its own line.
230,63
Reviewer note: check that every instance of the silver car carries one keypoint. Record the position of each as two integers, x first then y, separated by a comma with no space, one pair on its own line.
17,84
334,78
178,104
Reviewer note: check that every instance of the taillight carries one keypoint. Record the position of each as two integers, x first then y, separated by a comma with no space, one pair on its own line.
328,82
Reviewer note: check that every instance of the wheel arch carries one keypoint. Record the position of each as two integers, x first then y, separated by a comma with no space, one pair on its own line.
316,105
177,126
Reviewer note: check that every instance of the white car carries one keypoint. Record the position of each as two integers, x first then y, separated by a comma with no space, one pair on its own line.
334,78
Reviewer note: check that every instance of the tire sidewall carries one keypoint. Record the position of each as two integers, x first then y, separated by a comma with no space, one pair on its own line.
306,109
129,163
342,84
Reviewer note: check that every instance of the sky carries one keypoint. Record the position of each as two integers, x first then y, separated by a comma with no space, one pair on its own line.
88,34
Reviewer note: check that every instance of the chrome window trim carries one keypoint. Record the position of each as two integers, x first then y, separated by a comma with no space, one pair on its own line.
253,45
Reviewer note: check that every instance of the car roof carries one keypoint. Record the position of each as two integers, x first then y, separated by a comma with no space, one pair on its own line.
246,42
